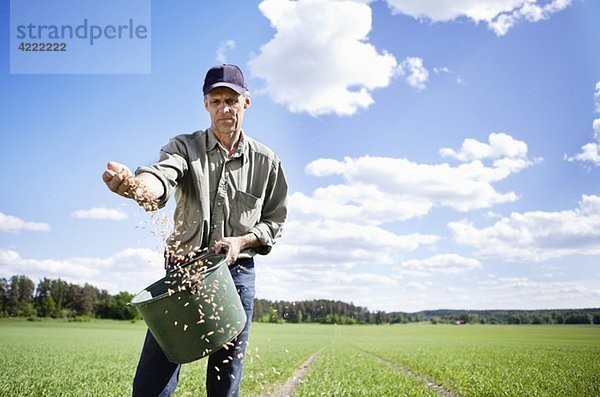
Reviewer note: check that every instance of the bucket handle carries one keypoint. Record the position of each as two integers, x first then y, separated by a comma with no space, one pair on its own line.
173,269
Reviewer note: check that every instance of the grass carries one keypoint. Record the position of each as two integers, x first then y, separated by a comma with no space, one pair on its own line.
273,354
483,360
342,370
56,358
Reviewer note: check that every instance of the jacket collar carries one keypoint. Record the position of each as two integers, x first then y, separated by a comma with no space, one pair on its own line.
212,143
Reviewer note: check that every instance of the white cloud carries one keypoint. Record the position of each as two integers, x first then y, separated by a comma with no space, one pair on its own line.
10,223
499,15
134,269
500,145
224,47
100,213
590,152
291,275
537,236
351,235
313,243
336,244
320,60
127,270
416,285
415,72
525,293
597,98
530,12
499,293
438,264
445,70
332,256
383,189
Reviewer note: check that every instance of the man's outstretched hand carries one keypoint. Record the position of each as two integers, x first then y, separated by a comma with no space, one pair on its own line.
144,188
118,178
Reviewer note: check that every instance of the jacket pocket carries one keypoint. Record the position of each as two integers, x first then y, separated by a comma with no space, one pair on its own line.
245,212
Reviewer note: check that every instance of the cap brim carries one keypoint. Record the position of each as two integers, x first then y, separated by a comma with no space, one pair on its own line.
236,88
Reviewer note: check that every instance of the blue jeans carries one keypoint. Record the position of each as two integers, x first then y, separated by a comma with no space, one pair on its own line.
157,376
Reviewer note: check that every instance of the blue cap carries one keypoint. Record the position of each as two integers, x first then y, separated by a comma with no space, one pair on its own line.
225,75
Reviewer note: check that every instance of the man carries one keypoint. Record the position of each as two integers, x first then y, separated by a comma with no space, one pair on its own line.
230,193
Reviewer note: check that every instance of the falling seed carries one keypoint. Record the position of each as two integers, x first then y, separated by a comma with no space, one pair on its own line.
218,377
217,369
175,322
185,327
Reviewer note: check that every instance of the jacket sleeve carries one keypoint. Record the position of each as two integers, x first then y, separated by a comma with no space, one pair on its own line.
170,168
274,210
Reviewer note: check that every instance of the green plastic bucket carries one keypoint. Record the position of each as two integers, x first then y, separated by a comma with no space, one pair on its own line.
193,311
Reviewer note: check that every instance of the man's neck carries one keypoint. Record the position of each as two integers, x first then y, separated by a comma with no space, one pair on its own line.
229,141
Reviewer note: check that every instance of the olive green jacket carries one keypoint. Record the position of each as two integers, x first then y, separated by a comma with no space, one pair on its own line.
219,196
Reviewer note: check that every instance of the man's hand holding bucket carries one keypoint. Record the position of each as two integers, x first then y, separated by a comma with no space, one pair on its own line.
234,245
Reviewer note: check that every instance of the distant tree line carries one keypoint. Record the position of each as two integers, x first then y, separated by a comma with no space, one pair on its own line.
556,316
337,312
19,296
315,311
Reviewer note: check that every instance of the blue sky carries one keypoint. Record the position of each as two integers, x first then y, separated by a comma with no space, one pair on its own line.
440,154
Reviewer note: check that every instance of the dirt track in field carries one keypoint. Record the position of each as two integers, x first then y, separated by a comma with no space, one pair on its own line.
290,387
441,390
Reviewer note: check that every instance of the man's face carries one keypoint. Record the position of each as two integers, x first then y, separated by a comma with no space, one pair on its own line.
226,108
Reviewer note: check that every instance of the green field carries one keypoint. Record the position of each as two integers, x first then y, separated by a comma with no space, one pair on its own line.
55,358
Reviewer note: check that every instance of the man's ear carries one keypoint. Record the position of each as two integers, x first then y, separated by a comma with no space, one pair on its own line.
247,102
